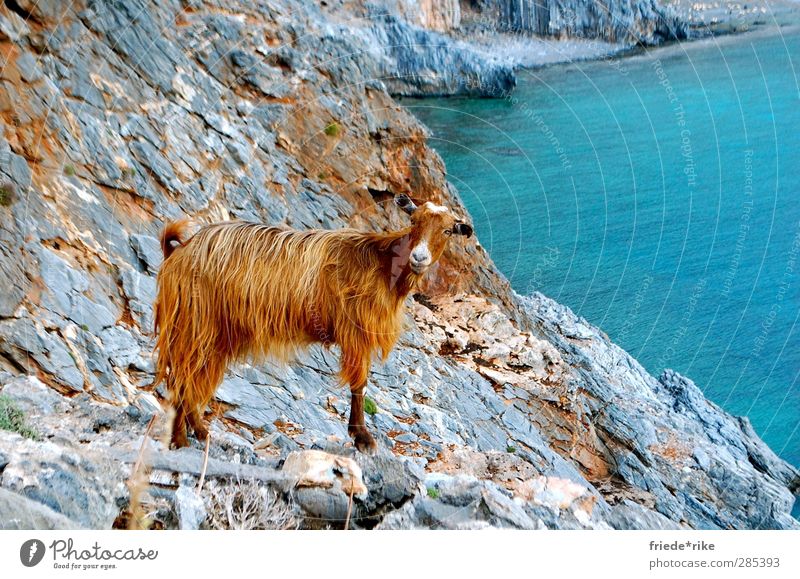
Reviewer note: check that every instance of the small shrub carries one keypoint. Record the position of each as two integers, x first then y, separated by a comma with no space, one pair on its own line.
13,419
369,406
433,492
246,505
511,449
84,327
332,129
69,170
7,194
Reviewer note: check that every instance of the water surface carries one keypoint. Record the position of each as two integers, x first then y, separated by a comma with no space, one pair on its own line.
659,197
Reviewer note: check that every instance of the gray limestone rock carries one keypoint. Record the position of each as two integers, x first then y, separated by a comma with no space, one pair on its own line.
84,487
24,514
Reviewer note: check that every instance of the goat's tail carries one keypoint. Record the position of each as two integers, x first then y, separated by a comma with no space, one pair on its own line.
173,236
166,307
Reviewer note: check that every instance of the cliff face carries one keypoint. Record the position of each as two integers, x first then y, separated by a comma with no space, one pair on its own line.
438,15
415,49
641,21
470,47
117,116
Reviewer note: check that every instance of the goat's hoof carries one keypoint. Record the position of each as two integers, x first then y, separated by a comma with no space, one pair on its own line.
201,434
365,443
179,441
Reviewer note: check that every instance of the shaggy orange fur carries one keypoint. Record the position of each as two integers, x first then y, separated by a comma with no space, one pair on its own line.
243,291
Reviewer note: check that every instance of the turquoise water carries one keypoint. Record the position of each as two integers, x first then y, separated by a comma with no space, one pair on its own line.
659,197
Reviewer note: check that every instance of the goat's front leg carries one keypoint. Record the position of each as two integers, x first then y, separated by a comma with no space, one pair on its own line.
357,427
355,369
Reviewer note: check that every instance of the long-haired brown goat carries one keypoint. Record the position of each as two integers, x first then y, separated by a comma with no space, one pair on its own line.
237,291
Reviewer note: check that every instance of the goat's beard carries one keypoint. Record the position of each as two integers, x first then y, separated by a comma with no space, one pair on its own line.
406,280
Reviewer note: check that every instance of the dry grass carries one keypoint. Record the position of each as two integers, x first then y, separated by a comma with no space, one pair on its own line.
247,505
138,482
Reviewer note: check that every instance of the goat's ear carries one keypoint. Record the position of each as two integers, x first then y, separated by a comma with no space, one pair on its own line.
405,203
462,229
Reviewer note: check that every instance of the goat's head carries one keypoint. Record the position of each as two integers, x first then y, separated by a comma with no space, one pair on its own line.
432,227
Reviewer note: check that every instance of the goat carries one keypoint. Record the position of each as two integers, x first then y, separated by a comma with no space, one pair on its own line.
237,290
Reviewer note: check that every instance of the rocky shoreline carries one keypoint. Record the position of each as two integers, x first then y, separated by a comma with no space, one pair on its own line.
495,410
692,21
733,16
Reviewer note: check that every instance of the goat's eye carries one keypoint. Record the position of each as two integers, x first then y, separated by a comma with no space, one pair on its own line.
448,232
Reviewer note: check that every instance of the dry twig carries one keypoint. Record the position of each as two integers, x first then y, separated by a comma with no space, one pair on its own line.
205,464
349,508
137,482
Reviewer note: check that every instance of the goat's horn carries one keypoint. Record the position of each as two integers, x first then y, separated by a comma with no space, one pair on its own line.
405,203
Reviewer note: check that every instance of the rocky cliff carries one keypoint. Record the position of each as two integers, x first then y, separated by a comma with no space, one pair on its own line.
640,21
471,47
494,410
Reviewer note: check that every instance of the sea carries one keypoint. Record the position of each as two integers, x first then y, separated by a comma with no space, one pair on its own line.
658,196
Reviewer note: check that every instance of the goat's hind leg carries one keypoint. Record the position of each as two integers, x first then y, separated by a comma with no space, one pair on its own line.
197,424
179,439
205,385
